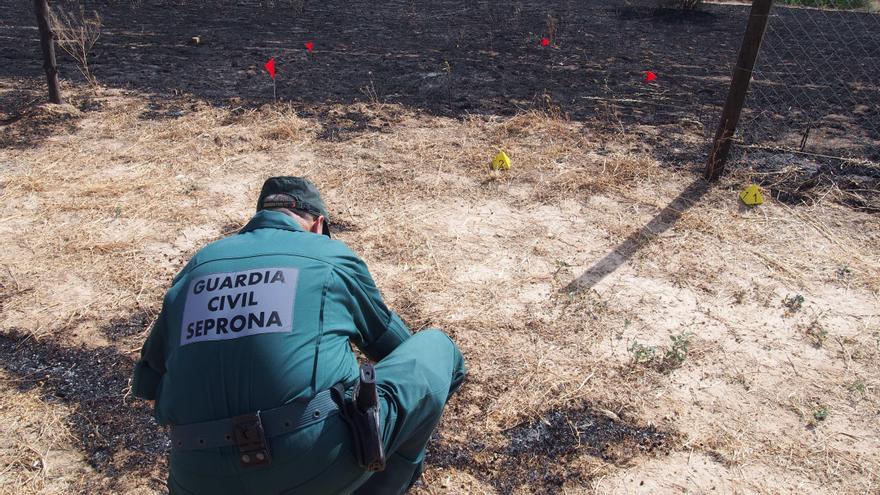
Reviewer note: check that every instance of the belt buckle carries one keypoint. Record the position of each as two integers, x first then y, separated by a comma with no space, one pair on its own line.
250,438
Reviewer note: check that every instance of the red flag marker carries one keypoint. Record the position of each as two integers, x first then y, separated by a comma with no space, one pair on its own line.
545,42
650,76
310,46
270,67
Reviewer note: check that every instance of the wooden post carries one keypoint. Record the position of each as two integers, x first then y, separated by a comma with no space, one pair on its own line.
739,86
42,9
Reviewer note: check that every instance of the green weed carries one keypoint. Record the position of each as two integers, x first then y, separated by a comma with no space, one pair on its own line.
793,304
817,333
857,386
676,354
642,353
665,358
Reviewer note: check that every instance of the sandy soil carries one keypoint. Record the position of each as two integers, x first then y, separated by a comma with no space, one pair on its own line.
629,329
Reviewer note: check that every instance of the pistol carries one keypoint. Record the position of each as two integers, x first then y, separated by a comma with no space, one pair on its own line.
366,420
365,395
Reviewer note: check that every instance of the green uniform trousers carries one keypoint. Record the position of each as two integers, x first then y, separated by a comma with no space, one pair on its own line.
415,381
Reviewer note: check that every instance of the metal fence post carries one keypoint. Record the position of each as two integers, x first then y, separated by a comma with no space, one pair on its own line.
739,86
48,45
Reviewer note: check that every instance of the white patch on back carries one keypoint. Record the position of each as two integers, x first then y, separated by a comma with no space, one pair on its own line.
225,306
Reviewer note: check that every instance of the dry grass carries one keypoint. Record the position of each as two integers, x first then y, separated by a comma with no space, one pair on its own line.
37,454
96,220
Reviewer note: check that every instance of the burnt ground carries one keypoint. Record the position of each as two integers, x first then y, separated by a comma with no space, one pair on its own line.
457,58
448,57
117,434
539,453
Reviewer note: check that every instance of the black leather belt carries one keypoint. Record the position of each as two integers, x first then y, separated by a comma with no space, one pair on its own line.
250,430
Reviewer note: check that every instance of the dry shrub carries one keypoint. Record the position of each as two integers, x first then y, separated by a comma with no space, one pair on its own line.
551,26
77,33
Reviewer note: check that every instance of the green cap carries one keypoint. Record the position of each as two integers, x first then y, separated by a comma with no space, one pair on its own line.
303,196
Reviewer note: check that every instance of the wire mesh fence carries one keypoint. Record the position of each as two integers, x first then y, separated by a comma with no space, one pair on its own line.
811,124
816,88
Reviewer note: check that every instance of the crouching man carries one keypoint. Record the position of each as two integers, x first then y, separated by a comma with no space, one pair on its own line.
250,363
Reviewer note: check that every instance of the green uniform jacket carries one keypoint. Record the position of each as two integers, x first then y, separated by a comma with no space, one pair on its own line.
260,319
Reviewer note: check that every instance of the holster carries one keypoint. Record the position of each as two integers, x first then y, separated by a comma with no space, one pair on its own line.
361,412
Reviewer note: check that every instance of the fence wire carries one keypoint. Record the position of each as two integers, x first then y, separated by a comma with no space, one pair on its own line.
816,87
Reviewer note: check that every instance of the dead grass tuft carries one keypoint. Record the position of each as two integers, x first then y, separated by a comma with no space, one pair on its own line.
601,174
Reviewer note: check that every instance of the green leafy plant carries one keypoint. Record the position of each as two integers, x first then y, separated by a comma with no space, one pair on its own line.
642,353
676,354
821,414
793,304
665,358
817,333
857,386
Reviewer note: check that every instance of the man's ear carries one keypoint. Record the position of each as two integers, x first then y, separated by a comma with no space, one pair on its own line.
318,226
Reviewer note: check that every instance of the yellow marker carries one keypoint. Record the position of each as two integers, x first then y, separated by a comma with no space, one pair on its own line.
501,161
752,195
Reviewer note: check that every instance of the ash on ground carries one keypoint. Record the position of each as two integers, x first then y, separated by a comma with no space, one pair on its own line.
539,453
117,434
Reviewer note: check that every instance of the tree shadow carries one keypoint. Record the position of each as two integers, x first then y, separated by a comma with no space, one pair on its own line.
663,221
117,434
26,118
